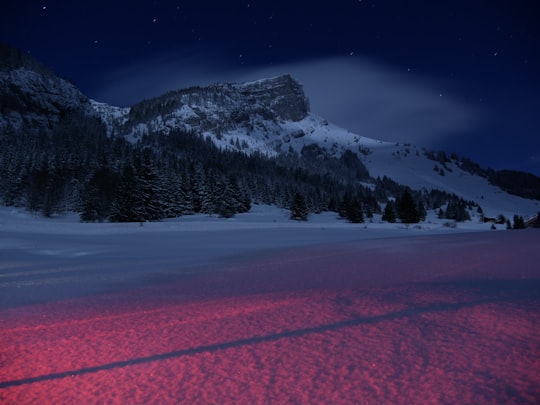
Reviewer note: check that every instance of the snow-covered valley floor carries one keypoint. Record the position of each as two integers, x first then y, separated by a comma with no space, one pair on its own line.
259,309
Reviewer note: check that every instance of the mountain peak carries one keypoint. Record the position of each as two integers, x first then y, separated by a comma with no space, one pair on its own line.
263,117
283,94
283,80
219,108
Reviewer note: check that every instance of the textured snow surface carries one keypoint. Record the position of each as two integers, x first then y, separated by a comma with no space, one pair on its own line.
259,309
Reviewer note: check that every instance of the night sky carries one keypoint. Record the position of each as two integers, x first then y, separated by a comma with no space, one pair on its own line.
463,76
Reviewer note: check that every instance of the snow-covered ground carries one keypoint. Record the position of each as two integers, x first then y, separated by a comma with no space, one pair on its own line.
63,257
261,309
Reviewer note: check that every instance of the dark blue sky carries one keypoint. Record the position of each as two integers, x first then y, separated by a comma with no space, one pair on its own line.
455,75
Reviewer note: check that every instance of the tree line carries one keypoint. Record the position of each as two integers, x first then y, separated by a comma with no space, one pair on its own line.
77,167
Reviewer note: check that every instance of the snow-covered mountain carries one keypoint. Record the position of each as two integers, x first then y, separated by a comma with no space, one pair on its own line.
272,116
269,116
254,110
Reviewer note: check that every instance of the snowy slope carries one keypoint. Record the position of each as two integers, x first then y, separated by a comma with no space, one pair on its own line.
408,165
271,116
268,116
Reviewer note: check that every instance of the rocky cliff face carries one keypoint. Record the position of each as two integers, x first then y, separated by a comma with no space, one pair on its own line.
265,115
283,95
31,96
35,99
269,117
219,108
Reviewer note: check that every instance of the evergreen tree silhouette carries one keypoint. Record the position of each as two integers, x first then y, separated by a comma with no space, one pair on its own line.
406,207
299,211
389,214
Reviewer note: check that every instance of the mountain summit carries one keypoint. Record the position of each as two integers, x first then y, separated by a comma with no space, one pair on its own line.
282,95
218,108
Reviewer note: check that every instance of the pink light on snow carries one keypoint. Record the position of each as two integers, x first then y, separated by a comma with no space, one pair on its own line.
372,322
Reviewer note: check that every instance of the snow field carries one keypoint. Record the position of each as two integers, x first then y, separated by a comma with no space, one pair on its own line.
261,310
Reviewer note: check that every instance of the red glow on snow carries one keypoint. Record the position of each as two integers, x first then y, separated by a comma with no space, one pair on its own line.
277,331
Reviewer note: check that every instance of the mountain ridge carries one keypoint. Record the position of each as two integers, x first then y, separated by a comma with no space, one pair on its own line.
32,95
268,116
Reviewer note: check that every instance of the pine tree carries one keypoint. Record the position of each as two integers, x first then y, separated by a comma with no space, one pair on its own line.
354,212
241,201
406,208
299,210
519,222
389,214
172,196
128,204
345,205
457,210
150,187
97,196
208,193
227,204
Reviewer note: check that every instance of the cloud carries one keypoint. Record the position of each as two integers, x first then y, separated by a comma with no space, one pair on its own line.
376,101
362,95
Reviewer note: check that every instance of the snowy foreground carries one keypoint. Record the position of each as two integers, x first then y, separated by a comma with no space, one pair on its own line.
260,309
61,257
